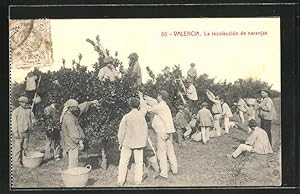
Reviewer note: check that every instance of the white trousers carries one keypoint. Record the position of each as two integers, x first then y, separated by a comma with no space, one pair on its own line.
242,148
217,124
73,157
241,114
205,134
124,161
226,124
165,151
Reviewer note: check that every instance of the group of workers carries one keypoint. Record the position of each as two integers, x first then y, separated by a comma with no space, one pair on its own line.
66,137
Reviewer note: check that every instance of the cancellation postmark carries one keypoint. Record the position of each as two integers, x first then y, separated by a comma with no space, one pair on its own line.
30,43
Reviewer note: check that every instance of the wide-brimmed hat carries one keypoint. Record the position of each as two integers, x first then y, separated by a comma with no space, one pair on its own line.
108,60
164,94
23,99
252,123
204,104
133,56
192,64
180,107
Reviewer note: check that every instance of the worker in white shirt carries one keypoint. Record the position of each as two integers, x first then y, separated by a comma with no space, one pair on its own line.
258,142
108,71
226,113
163,126
192,72
192,96
242,108
216,110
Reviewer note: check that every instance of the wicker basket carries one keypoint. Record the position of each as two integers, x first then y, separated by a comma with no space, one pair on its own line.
32,159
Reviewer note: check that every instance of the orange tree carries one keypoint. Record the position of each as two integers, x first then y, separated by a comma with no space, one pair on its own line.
100,124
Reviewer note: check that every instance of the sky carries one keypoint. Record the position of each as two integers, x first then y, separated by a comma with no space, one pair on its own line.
222,57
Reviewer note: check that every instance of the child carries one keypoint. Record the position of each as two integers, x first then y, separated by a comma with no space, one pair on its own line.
182,124
132,137
205,119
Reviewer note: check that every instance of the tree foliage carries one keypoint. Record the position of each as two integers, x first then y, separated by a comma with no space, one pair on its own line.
100,124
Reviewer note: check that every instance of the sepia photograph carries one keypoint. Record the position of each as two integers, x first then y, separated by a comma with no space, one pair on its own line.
145,102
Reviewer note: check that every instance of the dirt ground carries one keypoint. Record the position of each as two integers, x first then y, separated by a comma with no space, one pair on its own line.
199,165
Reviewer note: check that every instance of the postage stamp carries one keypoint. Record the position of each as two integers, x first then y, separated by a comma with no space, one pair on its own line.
30,43
164,102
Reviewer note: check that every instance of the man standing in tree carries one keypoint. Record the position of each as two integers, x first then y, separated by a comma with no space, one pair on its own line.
22,120
192,72
109,71
267,112
135,69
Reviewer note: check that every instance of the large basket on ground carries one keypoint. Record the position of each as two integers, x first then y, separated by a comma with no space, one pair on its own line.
76,177
32,159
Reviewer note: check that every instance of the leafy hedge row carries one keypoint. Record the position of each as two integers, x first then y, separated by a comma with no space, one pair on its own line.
101,124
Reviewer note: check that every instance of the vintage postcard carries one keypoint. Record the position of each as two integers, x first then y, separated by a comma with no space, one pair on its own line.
169,102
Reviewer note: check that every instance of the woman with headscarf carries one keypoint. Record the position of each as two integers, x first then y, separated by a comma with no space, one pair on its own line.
72,133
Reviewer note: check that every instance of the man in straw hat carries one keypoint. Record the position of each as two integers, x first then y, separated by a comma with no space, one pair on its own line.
267,112
109,71
22,120
205,119
163,125
216,110
132,137
72,132
257,142
192,72
135,68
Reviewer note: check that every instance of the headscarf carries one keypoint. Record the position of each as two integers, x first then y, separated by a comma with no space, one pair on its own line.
67,105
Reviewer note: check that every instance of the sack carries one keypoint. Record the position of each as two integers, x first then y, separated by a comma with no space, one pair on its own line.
193,123
197,136
37,99
251,101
